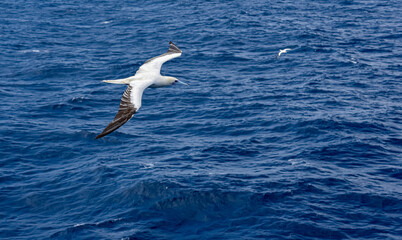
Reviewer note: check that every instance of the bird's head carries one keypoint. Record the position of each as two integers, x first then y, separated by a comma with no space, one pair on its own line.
173,80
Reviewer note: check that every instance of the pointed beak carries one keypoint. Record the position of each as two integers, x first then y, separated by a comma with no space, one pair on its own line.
182,82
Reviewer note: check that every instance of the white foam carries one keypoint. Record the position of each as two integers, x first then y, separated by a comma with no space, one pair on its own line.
31,50
148,165
297,162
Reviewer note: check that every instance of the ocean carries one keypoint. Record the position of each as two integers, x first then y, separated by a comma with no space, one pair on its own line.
304,146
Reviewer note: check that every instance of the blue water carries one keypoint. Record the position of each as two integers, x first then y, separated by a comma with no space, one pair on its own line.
306,146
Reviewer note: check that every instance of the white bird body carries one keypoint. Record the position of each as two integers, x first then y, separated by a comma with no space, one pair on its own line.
283,51
148,75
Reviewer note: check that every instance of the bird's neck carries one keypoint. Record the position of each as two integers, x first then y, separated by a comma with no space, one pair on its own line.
162,81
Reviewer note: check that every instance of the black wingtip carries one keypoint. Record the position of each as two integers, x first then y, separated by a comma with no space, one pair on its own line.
99,136
173,48
171,43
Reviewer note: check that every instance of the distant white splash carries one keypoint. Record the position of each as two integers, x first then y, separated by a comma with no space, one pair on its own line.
148,165
106,22
111,221
31,51
98,223
78,99
297,162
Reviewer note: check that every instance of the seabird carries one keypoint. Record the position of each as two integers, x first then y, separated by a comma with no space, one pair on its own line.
283,51
147,76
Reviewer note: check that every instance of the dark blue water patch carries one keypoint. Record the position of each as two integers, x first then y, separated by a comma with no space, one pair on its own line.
391,172
304,146
200,205
372,201
231,150
354,150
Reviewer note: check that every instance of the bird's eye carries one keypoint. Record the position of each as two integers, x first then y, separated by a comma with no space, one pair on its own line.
175,80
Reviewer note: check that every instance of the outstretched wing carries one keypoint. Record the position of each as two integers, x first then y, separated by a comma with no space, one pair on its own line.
130,103
154,64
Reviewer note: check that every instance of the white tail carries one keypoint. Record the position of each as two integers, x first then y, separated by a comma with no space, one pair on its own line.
118,81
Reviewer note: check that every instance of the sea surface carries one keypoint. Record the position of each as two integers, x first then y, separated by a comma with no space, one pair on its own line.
304,146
